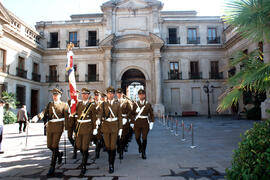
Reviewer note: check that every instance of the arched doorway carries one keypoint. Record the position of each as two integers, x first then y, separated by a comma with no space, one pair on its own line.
132,80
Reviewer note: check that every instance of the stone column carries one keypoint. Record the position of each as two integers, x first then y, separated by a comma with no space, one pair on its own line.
158,80
158,107
266,104
108,68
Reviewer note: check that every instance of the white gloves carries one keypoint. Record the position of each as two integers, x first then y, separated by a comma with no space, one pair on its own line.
120,132
138,110
95,132
98,122
34,119
124,121
151,125
132,126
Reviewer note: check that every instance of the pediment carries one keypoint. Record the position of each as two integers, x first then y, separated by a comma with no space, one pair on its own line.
131,4
4,15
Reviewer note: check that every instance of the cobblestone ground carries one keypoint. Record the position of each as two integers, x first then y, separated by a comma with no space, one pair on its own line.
168,157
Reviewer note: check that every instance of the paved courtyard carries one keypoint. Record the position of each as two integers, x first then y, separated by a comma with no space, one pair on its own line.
168,157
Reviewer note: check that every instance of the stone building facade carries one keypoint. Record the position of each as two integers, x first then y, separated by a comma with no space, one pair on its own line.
173,54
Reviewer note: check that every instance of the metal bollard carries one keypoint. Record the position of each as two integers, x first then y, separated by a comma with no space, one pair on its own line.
171,124
192,137
183,131
167,121
164,120
176,127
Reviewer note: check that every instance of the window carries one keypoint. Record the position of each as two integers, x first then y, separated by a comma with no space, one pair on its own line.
35,73
53,77
214,74
21,63
2,60
20,95
192,36
73,38
35,68
20,69
92,73
92,38
53,40
174,67
212,33
212,36
173,39
194,70
174,71
3,87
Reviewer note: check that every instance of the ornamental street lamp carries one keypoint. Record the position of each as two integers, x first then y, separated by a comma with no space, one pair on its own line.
208,90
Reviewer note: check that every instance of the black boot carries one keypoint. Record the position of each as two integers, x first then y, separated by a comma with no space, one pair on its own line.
74,152
110,161
113,154
139,144
144,149
84,162
98,146
59,156
53,162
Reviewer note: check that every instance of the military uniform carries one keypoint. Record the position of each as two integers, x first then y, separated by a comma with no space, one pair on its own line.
126,115
98,139
57,113
70,126
111,126
85,124
143,119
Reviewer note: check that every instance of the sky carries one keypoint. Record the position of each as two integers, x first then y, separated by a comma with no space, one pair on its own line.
32,11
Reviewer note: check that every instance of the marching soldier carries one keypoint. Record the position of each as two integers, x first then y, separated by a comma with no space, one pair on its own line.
85,126
126,113
98,138
70,126
144,120
112,125
57,113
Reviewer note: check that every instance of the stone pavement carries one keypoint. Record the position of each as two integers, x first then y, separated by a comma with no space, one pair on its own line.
168,157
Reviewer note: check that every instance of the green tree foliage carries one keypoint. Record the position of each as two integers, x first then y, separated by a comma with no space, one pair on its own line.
11,103
251,160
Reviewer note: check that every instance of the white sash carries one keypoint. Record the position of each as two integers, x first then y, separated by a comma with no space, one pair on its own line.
111,111
140,113
54,113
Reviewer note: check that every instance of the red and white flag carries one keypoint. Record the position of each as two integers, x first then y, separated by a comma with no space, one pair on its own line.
72,82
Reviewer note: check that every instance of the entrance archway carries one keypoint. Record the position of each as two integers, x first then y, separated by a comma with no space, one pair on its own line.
131,81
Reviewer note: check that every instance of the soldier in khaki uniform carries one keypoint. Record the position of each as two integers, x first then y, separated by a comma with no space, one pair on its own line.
85,126
112,125
70,126
143,121
126,115
98,138
57,113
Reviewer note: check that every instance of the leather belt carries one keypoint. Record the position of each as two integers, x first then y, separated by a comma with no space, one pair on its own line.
57,120
84,121
111,119
143,117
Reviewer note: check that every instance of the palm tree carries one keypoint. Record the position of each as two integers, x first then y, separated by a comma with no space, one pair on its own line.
251,18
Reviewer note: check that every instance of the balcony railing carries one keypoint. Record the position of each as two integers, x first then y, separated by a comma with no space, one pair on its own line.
54,78
173,40
76,77
195,75
213,40
36,77
91,43
76,43
21,73
54,44
91,78
174,75
215,75
195,40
